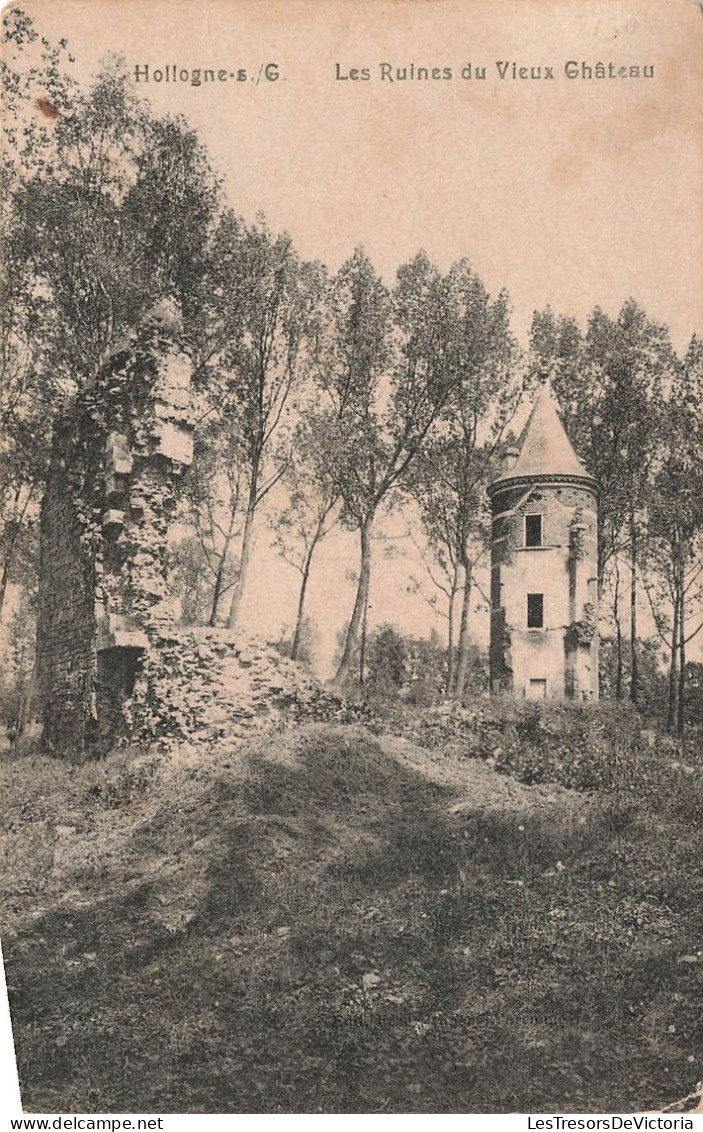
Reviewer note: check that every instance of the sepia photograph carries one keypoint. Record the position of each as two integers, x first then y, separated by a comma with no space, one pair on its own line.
351,575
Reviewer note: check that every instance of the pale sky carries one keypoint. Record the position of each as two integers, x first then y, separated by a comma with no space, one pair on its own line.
572,192
566,191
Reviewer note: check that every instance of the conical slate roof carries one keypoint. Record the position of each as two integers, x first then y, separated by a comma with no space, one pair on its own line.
545,449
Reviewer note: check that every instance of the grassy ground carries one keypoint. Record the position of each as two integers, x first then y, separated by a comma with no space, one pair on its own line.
340,922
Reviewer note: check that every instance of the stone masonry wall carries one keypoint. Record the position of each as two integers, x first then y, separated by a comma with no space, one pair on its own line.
118,458
201,685
564,652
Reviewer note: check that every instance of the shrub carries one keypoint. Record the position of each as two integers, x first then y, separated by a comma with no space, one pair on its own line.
583,747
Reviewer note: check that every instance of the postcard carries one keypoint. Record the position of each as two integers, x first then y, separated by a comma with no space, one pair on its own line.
350,557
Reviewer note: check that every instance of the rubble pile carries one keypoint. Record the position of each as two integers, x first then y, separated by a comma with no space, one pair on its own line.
203,685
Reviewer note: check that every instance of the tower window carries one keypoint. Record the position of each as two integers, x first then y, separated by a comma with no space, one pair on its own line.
535,611
533,530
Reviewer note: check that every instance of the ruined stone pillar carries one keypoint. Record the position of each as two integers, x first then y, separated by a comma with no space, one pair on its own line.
119,453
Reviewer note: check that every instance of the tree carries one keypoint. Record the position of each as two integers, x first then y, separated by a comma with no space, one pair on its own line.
310,513
457,525
28,64
443,571
387,365
106,209
653,681
214,496
17,667
111,219
674,522
387,661
454,467
252,316
188,581
308,637
608,384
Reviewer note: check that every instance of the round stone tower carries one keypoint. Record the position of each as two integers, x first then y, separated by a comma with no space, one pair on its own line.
544,566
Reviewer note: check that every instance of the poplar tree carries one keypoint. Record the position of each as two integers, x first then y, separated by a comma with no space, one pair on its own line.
674,530
387,365
309,514
454,468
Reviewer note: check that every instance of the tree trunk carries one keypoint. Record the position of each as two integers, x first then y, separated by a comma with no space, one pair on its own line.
362,647
5,575
451,660
618,635
221,566
235,605
463,661
672,712
362,593
681,721
11,544
634,659
219,579
601,562
295,647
